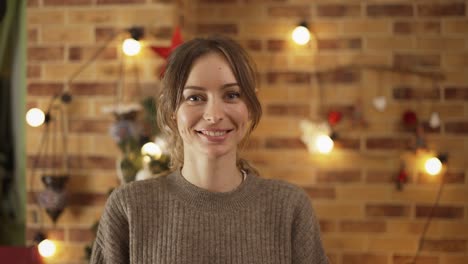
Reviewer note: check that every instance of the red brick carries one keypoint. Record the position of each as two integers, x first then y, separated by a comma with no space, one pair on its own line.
66,2
388,143
430,130
105,2
54,233
444,245
217,28
277,44
81,234
338,44
297,110
46,53
390,10
105,33
254,143
89,126
450,212
338,10
418,27
32,35
347,143
387,210
457,127
45,89
289,11
85,89
363,226
87,199
441,10
217,1
321,192
364,258
327,226
456,93
412,93
253,44
44,161
452,177
287,143
85,53
288,77
380,177
413,60
345,176
399,259
263,1
92,162
34,71
340,75
161,32
32,3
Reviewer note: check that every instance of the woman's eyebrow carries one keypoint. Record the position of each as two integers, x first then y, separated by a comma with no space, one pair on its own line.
201,88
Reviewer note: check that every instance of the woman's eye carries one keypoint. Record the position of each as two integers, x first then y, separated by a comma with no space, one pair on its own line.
233,95
193,98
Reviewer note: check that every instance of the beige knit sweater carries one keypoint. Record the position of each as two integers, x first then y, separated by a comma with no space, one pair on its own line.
169,220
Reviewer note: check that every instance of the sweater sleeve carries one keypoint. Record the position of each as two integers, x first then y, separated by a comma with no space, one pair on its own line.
306,243
112,238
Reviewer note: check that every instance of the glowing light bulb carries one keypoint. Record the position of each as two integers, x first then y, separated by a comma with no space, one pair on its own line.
35,117
324,144
152,150
433,166
131,47
301,35
46,248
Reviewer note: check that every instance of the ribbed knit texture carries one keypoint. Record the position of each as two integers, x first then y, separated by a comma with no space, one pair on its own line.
170,220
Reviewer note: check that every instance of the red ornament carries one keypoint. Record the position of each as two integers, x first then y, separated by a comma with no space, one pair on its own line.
410,119
164,52
334,117
401,179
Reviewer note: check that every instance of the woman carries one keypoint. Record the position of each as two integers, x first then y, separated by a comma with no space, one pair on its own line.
213,207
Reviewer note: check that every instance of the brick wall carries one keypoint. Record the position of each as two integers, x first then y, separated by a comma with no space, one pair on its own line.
364,218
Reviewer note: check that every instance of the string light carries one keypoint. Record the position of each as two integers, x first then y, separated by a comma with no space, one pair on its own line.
47,248
324,144
301,34
152,150
433,166
35,117
131,47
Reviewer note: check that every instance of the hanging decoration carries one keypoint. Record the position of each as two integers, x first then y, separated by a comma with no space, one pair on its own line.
379,103
401,178
334,117
164,52
434,120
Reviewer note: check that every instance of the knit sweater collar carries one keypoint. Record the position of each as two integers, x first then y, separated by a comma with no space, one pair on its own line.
218,201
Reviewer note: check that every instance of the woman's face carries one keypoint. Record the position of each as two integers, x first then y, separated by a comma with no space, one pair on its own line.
212,117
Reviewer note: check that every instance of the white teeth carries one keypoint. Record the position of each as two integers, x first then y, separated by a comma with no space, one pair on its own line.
214,133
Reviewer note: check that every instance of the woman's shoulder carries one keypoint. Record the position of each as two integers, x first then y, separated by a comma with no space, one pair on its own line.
282,188
141,188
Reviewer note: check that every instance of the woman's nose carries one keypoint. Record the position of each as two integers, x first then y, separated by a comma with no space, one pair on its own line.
213,112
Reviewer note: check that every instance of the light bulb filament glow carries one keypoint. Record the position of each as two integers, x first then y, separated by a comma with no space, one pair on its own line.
301,35
131,47
35,117
433,166
46,248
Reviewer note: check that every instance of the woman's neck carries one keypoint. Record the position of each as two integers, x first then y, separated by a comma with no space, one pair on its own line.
216,175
